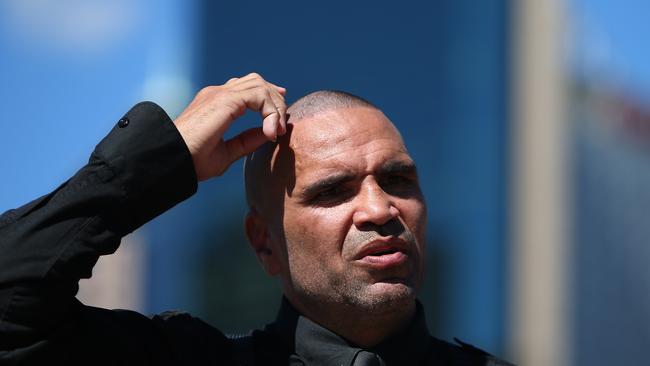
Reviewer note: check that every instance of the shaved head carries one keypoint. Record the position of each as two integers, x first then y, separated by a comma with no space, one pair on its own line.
323,101
261,172
336,212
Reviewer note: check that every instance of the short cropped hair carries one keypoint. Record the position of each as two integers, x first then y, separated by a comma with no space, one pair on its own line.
323,101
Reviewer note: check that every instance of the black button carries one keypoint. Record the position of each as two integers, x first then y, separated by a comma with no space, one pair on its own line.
123,122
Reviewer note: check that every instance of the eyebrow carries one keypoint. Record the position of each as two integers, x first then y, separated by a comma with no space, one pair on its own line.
327,182
397,167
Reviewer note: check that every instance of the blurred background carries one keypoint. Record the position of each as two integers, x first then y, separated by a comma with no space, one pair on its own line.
529,121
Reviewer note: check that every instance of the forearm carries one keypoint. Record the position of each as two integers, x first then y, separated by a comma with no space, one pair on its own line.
135,173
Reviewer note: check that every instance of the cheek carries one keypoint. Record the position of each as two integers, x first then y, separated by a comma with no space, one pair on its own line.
422,222
414,213
315,234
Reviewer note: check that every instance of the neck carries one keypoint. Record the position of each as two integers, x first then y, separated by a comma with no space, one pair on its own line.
361,326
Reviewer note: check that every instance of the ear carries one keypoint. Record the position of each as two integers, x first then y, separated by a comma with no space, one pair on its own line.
257,232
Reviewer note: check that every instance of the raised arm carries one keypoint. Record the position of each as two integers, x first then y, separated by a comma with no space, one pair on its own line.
146,165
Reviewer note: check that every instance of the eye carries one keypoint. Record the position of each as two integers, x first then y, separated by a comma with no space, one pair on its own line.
395,180
398,184
332,195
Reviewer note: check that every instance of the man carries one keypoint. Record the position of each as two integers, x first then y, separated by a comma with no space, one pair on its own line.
335,210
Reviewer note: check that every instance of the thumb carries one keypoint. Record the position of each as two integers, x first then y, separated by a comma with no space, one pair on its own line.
244,143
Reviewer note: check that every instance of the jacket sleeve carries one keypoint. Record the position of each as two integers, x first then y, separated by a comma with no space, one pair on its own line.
138,171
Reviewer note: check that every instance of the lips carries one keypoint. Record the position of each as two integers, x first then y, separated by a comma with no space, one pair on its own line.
383,253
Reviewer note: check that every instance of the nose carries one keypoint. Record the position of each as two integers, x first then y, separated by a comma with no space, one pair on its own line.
374,206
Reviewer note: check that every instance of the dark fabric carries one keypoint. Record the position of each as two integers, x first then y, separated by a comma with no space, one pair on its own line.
319,346
315,345
368,359
141,169
310,344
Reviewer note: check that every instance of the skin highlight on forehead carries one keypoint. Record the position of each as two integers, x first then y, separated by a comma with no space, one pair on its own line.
336,131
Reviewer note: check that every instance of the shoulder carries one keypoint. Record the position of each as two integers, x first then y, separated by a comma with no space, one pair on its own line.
181,325
191,338
462,353
197,341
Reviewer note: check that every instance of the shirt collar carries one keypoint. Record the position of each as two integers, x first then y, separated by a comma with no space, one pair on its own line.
315,345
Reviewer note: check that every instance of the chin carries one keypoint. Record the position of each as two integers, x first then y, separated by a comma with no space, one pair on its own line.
388,296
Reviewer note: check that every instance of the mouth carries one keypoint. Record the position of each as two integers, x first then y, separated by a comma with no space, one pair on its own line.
383,254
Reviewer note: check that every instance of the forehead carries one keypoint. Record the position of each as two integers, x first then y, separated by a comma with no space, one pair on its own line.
346,138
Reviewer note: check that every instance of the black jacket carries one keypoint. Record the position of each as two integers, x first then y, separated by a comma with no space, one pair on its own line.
141,169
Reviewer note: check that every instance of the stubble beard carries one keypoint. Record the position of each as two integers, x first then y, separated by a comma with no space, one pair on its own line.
352,295
378,298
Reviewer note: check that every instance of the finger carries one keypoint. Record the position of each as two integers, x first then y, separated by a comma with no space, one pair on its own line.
248,83
258,95
257,77
245,143
270,126
281,90
252,75
260,99
231,80
280,105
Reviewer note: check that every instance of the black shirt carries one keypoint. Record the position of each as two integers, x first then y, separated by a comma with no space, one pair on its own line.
310,344
141,169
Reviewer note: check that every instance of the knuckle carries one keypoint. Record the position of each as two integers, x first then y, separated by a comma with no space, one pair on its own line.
269,98
207,90
262,93
255,75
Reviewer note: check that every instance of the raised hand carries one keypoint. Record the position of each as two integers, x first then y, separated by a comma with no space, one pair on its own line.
204,122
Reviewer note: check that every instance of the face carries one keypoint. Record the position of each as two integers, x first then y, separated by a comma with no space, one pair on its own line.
353,222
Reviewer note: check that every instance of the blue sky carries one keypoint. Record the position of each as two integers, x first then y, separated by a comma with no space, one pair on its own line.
610,43
66,81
